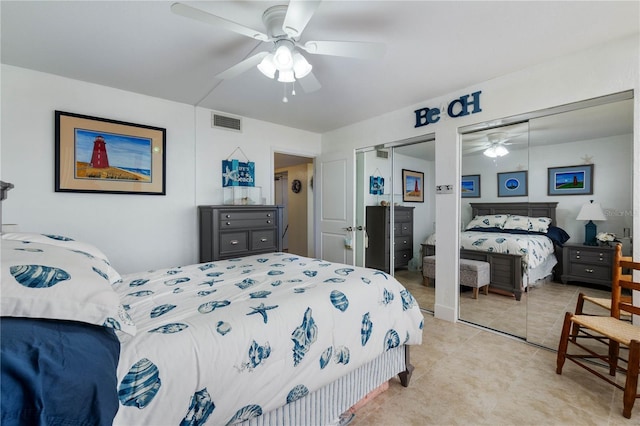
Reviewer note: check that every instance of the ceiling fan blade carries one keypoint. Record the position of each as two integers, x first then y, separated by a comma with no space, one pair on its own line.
349,49
243,66
298,15
208,18
309,83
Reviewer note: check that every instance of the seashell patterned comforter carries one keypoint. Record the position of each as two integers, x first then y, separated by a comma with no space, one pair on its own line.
219,343
534,249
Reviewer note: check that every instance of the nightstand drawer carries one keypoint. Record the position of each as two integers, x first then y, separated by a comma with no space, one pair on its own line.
591,271
590,256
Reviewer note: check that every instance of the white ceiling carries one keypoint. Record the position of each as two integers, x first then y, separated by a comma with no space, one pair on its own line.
433,48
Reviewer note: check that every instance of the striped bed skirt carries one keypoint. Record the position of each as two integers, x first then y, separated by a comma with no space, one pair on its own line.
325,405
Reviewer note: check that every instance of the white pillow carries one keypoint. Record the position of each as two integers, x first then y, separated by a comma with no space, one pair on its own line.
526,223
68,243
53,282
488,221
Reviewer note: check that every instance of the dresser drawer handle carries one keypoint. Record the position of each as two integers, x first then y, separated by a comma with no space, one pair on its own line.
268,214
227,216
233,242
268,221
263,240
578,257
228,223
588,270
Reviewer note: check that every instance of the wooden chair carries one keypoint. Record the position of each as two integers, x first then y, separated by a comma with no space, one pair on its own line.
616,332
604,303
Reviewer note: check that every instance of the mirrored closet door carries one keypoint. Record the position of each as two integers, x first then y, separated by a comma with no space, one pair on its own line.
568,156
395,204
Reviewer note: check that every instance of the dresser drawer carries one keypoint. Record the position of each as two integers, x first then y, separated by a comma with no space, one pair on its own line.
590,256
403,243
263,222
264,240
403,228
233,242
402,257
403,215
244,215
592,271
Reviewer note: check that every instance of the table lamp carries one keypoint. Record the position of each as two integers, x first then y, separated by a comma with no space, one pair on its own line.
590,211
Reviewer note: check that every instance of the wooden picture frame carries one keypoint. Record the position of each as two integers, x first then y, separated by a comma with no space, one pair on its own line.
513,184
570,180
470,186
100,155
412,186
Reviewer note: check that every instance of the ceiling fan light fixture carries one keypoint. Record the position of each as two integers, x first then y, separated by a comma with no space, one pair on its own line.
301,67
283,57
286,76
496,150
267,67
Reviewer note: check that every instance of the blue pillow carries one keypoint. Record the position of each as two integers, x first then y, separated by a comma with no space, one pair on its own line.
557,235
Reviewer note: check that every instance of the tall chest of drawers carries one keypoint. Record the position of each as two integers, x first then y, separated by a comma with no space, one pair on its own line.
380,244
589,264
236,231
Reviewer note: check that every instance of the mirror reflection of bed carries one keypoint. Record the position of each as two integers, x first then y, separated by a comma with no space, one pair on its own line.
595,132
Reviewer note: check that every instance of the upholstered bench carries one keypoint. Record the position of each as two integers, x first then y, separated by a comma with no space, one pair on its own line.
473,273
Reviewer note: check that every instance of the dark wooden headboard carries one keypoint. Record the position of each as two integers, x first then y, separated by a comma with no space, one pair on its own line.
541,209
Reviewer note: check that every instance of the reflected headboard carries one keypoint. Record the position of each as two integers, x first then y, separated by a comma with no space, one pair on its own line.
542,209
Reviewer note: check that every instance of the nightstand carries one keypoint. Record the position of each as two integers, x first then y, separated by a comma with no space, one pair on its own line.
587,264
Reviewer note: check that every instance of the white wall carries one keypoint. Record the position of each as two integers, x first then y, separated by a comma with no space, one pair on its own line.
137,232
599,71
612,158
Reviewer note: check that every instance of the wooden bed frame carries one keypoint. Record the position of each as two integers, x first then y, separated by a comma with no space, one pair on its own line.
506,269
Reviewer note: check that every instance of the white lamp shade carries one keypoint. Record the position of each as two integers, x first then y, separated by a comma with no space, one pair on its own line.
267,67
283,58
300,65
286,76
591,211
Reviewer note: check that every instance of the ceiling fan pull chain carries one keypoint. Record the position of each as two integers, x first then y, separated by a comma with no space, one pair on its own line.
293,88
284,98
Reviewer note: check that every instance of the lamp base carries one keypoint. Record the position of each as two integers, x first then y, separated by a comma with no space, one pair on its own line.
590,234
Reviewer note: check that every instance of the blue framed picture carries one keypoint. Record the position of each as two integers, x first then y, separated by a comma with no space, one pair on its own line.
570,180
512,184
376,185
470,186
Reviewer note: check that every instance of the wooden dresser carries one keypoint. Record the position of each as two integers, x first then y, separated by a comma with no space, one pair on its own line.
380,245
235,231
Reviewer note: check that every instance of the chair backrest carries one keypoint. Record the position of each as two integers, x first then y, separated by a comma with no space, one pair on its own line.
625,283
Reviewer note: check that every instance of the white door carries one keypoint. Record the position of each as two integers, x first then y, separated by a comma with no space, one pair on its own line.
335,206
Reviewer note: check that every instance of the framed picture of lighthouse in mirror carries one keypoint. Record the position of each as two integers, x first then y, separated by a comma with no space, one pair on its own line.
108,156
412,186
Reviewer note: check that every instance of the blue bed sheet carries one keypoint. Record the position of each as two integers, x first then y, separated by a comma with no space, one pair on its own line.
57,373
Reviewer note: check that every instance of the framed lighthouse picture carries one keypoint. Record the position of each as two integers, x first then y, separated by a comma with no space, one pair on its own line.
412,186
108,156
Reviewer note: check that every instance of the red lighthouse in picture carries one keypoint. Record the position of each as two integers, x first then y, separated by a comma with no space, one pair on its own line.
99,159
416,188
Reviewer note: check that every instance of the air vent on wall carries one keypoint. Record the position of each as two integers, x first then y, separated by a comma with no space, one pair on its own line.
382,154
226,122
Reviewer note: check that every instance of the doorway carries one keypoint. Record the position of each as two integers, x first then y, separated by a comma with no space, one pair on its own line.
293,188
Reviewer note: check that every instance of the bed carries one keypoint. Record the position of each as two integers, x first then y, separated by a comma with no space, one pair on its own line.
518,257
267,339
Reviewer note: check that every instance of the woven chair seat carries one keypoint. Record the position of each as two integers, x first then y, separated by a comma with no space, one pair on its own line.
622,332
605,303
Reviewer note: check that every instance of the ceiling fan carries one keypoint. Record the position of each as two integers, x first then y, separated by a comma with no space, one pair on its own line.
284,26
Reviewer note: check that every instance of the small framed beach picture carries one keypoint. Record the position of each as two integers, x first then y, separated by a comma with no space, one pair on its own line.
412,186
512,184
570,180
470,186
108,156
